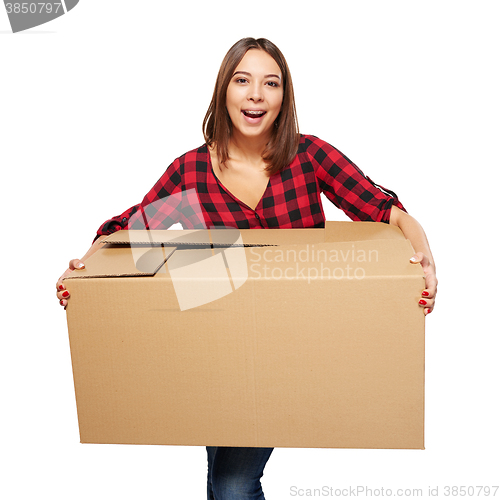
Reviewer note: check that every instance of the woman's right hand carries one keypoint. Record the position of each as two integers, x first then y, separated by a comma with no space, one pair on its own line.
63,294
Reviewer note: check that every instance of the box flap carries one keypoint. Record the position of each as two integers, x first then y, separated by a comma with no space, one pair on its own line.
124,261
334,231
215,237
169,237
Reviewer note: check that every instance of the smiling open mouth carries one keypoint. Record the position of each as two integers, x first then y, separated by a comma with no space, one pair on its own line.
254,114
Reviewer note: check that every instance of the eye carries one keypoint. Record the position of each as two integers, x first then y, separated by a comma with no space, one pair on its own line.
273,84
241,80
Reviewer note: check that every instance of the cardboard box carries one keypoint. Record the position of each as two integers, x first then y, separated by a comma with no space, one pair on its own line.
272,338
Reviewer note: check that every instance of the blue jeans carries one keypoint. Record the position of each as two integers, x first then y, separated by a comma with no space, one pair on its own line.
234,473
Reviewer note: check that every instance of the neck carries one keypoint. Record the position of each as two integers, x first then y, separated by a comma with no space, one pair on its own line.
248,149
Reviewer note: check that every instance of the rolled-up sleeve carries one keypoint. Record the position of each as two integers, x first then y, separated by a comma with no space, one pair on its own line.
345,185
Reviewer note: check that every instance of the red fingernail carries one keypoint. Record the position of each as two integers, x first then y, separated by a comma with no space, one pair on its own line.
422,302
61,302
65,294
425,293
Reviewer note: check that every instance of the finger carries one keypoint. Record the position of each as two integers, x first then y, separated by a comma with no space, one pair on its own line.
429,293
60,284
63,295
431,283
423,260
419,258
426,303
429,273
60,281
76,264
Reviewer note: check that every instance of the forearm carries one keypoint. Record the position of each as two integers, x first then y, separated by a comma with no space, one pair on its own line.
94,248
412,231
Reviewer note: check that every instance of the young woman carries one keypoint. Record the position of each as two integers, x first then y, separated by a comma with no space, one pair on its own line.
256,171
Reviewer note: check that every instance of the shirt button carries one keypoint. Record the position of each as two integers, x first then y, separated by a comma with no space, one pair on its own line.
257,216
124,219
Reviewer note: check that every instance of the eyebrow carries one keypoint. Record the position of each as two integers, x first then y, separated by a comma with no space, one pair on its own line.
249,74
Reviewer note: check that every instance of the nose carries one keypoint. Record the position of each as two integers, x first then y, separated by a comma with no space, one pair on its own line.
255,93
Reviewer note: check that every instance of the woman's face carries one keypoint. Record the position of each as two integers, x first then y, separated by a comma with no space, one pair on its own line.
254,95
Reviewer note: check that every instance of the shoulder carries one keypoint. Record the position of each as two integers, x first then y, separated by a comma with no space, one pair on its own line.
193,157
317,148
186,166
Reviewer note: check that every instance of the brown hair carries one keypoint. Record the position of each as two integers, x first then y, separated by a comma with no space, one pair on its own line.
217,127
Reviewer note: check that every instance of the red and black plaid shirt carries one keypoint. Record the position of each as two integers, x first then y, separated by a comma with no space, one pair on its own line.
190,193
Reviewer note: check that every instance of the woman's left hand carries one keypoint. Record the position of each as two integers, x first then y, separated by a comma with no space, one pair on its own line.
428,298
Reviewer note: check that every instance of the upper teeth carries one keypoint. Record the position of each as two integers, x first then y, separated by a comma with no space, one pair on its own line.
255,112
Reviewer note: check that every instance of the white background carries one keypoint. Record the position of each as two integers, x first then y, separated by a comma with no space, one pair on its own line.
96,104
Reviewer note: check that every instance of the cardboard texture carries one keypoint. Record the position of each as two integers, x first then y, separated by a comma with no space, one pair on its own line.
272,338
